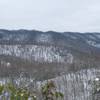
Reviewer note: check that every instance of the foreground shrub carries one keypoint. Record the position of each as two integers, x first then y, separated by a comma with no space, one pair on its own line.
12,91
15,93
50,92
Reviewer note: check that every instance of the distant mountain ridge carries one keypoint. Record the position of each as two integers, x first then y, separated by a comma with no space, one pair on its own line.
59,51
31,36
86,42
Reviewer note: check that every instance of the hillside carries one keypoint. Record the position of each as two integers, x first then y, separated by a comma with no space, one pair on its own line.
47,54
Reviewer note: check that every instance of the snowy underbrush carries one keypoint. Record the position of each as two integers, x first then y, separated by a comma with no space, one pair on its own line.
72,86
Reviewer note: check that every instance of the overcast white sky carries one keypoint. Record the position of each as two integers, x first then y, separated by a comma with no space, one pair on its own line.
57,15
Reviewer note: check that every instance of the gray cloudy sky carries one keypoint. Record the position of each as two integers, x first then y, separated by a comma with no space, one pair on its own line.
57,15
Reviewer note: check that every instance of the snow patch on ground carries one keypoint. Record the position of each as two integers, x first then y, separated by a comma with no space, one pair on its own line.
73,37
93,43
44,38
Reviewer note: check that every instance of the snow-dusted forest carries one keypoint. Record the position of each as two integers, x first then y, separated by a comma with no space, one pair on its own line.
74,86
37,53
32,58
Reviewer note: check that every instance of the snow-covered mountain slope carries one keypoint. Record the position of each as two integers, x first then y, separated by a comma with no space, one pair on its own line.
76,86
86,43
37,53
69,51
50,37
